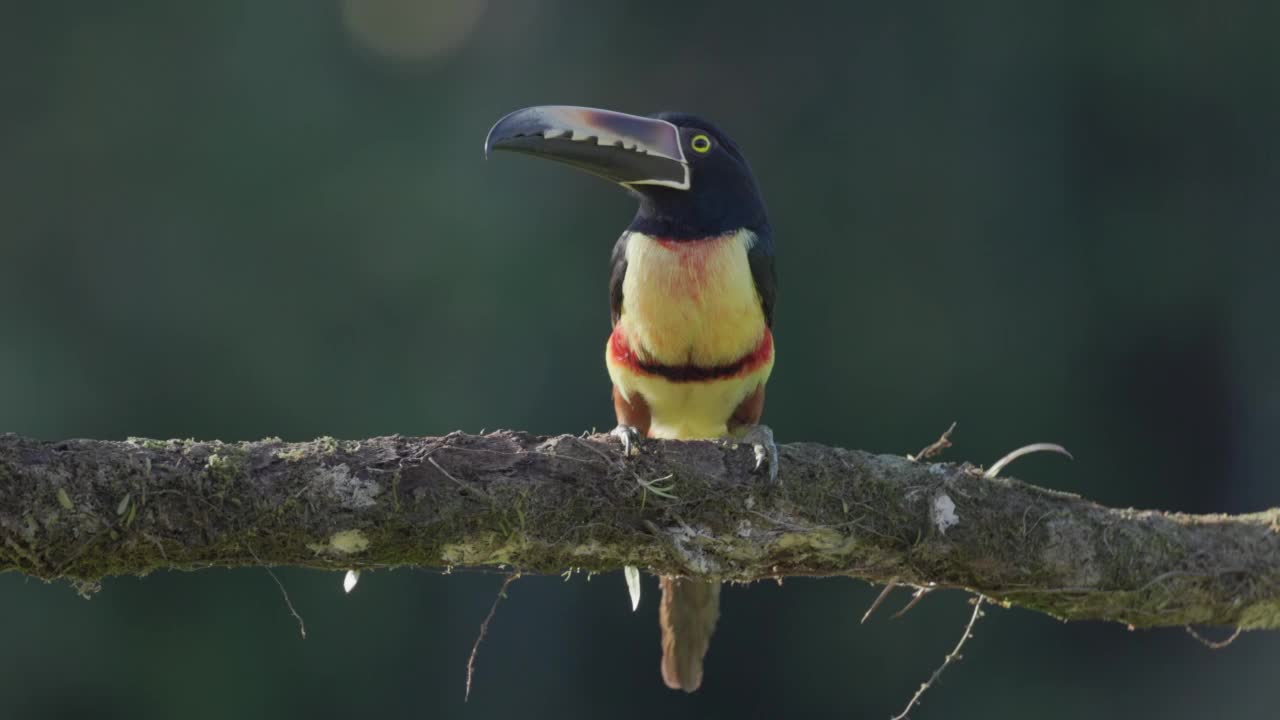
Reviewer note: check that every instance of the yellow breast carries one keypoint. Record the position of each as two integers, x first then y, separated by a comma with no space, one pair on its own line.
689,304
692,302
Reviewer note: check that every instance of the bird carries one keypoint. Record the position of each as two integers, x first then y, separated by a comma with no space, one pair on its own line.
692,286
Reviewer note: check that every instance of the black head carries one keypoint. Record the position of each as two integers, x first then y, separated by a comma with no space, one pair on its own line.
691,178
722,196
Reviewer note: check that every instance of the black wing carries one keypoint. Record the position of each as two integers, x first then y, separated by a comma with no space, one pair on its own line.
618,265
760,257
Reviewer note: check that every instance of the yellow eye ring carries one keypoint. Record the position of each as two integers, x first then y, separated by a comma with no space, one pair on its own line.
700,143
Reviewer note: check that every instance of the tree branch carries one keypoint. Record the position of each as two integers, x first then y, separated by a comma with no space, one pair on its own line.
84,509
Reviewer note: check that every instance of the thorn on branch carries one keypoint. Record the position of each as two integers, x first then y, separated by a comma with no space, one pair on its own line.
888,588
915,600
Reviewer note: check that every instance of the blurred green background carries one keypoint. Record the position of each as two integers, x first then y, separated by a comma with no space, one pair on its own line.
1046,221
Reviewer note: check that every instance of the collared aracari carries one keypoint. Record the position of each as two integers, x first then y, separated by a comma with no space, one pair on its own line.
691,294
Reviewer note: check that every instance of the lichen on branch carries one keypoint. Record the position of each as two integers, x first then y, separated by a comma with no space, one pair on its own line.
85,509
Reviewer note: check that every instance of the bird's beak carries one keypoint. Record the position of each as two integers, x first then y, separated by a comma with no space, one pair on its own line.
627,149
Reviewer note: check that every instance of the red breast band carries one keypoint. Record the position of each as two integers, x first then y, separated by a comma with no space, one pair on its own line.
624,355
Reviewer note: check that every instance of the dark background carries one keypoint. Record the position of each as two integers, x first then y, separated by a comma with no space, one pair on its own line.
1046,221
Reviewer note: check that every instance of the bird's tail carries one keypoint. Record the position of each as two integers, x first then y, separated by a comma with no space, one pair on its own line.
688,617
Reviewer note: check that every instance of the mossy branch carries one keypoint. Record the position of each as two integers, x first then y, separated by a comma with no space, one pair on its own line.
84,509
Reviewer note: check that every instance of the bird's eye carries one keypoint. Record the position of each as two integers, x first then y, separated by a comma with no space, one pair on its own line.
700,143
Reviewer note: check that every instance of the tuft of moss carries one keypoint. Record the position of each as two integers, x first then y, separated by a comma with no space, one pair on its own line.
226,467
1264,615
343,542
149,443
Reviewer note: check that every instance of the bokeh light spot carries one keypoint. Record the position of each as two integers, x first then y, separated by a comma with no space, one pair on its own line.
411,29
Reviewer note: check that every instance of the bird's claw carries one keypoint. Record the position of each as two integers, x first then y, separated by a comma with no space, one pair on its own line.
630,439
766,450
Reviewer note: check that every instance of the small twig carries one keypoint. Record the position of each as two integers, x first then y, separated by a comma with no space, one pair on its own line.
1211,644
1003,462
950,658
302,626
581,442
484,628
915,599
659,490
648,486
936,447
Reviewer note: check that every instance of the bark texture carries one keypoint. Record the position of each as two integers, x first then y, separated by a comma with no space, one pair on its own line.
85,509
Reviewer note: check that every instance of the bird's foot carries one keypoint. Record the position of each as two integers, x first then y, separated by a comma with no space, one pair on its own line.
629,437
761,439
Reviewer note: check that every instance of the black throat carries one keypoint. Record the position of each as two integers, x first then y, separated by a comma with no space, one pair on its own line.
697,213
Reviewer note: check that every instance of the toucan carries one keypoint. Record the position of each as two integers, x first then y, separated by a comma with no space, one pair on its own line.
691,295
